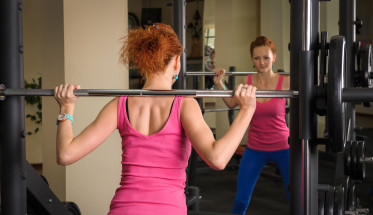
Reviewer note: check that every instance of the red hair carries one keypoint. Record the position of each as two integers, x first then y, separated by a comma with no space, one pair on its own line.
262,41
150,49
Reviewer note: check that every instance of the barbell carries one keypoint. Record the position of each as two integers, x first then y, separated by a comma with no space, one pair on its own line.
139,92
349,94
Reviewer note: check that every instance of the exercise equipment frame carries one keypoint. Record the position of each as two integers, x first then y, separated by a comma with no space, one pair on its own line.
16,177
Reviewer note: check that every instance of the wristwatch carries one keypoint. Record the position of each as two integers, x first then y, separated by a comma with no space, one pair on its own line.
64,116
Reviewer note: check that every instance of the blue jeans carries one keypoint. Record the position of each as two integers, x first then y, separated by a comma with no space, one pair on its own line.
252,163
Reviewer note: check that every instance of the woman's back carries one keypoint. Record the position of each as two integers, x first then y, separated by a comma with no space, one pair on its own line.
153,162
148,115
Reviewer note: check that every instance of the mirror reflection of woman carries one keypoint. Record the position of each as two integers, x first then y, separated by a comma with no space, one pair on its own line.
268,132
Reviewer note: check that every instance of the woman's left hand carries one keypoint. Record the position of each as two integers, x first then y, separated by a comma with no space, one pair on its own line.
64,95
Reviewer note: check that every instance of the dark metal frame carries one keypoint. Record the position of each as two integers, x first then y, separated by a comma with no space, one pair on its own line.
22,189
304,37
13,175
179,26
17,176
304,20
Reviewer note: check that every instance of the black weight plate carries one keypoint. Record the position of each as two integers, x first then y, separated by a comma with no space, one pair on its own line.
347,158
336,109
339,204
346,185
366,69
351,202
353,174
360,165
321,203
366,66
329,201
323,54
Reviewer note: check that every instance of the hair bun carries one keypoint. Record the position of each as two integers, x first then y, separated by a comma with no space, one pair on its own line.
150,49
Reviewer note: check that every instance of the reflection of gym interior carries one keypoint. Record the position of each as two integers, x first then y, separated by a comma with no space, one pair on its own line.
79,41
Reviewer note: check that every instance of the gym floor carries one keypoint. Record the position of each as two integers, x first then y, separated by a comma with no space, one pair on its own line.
217,189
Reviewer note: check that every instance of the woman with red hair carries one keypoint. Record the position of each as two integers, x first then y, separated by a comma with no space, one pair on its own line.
157,131
268,132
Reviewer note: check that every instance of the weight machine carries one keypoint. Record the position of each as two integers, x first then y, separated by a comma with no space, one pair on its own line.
23,191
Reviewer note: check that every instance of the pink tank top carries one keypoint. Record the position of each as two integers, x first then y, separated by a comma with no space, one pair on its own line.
153,167
268,130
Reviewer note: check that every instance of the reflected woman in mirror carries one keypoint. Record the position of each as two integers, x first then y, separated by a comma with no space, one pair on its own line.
268,132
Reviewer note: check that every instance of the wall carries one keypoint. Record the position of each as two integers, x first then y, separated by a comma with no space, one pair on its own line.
329,17
275,24
52,57
81,44
32,38
236,25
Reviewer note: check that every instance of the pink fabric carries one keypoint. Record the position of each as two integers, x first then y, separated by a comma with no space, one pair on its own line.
268,130
153,167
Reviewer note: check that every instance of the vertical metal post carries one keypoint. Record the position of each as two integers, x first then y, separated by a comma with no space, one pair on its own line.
347,28
12,124
304,25
231,85
295,145
178,23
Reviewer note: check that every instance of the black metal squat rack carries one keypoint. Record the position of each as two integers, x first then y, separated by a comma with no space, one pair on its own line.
23,191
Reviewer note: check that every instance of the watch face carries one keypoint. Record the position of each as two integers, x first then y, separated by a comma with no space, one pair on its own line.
61,117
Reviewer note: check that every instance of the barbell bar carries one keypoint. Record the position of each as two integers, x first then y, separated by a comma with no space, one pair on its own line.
201,73
348,94
213,110
139,92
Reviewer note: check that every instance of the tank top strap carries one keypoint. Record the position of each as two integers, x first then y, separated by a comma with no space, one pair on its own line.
279,83
249,79
122,112
177,105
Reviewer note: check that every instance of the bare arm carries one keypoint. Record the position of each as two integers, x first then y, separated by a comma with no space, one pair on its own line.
69,148
218,82
217,153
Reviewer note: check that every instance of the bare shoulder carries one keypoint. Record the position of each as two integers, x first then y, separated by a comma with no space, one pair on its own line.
286,82
191,115
188,102
190,107
113,103
110,108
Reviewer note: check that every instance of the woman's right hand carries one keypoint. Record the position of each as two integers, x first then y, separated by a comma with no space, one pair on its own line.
219,76
64,95
245,96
